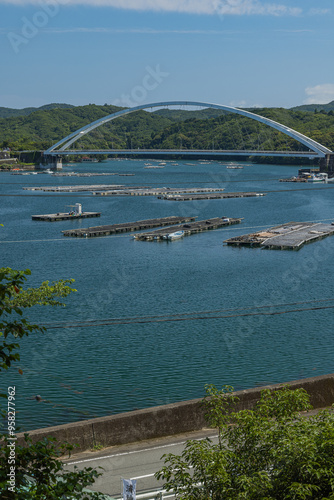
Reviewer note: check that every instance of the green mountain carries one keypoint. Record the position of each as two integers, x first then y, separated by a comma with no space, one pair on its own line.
164,129
315,107
10,112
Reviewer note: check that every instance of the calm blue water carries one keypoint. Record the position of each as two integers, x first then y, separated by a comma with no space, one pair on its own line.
100,370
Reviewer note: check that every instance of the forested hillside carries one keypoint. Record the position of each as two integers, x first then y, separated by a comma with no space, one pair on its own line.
315,107
164,129
9,112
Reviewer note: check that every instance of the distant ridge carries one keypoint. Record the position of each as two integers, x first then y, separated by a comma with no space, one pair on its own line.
10,112
164,129
312,107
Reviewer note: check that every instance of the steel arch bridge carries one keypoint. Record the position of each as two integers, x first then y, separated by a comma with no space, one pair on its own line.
316,149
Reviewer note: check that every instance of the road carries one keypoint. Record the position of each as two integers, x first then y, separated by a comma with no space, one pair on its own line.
134,461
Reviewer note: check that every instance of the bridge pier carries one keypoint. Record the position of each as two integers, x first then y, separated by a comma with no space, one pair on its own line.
327,164
53,162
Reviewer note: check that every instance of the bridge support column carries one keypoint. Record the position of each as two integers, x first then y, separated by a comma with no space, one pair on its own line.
327,164
54,162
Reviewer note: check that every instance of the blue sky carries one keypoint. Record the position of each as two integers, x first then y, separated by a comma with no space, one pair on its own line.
128,52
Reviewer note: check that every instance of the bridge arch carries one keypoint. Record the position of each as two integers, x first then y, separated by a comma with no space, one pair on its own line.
66,142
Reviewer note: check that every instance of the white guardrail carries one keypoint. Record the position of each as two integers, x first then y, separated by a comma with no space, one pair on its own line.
153,495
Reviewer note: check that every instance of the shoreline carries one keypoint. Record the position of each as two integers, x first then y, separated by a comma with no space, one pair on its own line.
167,420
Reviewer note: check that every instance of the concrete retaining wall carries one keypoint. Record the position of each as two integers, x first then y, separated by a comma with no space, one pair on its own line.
169,419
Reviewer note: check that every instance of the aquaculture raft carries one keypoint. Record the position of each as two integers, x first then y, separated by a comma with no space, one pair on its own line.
65,216
90,232
194,227
208,196
73,189
290,236
154,191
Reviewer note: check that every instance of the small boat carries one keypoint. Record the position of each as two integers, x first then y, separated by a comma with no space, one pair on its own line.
320,177
174,236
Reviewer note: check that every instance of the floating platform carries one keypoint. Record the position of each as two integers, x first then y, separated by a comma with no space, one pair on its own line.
208,196
91,232
156,191
74,189
82,174
294,179
192,228
290,236
65,216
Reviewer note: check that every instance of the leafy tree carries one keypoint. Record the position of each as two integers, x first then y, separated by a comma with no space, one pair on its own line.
273,451
33,471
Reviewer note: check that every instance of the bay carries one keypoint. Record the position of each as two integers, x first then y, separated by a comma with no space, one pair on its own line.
95,370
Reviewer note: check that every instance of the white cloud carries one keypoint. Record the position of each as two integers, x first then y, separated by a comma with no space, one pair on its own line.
318,12
320,94
140,31
238,104
220,7
294,31
251,7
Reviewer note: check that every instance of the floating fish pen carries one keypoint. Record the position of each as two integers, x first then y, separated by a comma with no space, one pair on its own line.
294,179
65,216
208,196
188,229
155,191
77,213
290,236
73,189
91,232
82,174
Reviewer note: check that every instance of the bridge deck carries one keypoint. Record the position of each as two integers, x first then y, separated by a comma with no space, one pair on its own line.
187,152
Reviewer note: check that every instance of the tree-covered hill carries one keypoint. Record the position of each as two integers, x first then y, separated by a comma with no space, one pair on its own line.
9,112
165,129
315,107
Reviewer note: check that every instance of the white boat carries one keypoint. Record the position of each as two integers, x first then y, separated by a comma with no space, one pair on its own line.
174,236
320,177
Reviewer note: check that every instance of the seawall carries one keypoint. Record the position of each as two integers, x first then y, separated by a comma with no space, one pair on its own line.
167,420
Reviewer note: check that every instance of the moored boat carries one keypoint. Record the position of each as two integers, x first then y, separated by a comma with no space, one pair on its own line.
320,177
174,236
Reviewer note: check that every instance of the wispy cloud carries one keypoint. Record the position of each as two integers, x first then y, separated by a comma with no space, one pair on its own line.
140,31
210,7
294,31
320,94
318,12
254,7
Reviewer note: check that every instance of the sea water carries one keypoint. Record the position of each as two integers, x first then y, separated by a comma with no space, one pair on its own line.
152,322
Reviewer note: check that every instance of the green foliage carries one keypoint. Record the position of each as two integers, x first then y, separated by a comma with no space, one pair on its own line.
39,472
9,112
13,300
164,129
272,452
316,107
36,467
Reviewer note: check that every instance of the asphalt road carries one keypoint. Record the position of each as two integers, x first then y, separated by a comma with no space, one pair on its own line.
135,461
